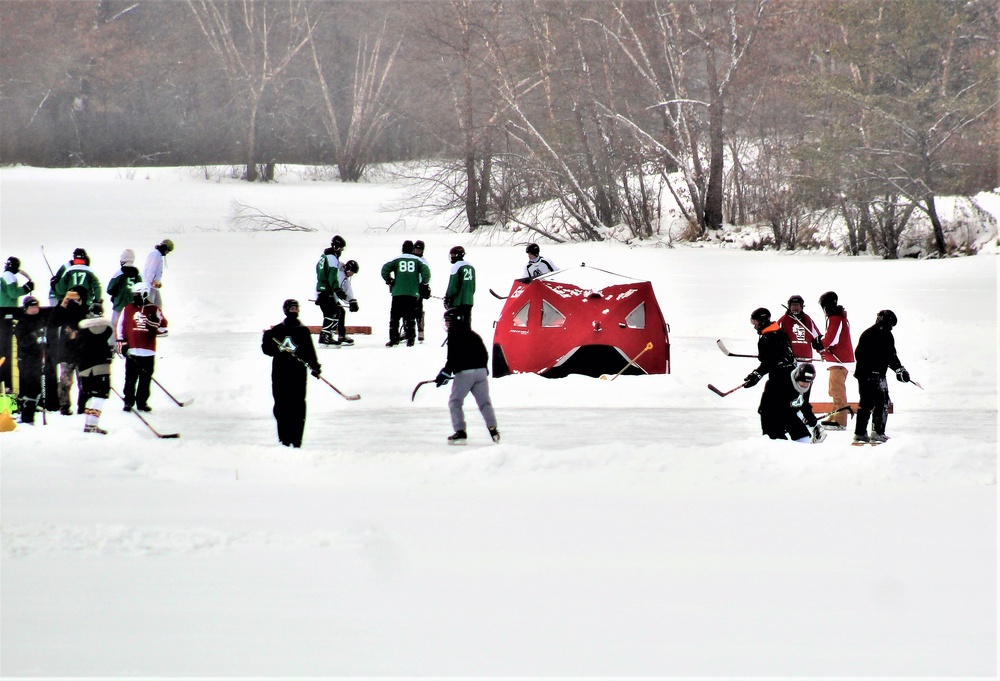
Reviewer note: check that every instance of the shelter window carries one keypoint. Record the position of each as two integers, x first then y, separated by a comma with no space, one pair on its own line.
521,316
551,317
636,319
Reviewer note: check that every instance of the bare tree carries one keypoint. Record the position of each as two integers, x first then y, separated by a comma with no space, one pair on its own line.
254,43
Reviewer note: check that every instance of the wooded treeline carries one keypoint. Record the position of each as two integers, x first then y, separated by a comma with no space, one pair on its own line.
746,111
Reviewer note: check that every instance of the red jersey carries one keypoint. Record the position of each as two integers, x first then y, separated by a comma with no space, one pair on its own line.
837,340
139,327
801,331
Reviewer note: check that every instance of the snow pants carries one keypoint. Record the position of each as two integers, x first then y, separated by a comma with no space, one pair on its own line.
289,392
874,403
474,381
403,310
138,376
838,393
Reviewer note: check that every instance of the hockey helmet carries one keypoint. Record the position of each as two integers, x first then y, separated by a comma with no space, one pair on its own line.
407,246
886,319
828,300
338,243
29,301
761,315
457,253
418,244
804,372
796,299
96,309
532,249
142,292
81,254
288,305
351,267
13,264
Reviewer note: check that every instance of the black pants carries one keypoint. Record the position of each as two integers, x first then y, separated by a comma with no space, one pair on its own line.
30,395
873,393
289,394
779,417
138,376
403,310
333,317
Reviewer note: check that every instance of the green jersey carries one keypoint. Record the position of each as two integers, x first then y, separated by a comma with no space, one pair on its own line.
405,273
461,285
10,290
79,275
120,286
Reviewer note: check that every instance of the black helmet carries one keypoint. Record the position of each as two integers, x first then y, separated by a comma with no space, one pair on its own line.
81,254
29,301
13,264
761,315
886,319
351,266
418,244
407,246
338,242
532,249
804,372
288,305
828,300
96,309
457,253
796,299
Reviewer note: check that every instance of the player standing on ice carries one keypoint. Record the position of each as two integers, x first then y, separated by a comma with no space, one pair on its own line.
837,349
10,290
466,366
152,272
120,285
776,359
803,334
94,351
290,346
876,353
141,322
79,275
404,274
461,288
537,265
333,286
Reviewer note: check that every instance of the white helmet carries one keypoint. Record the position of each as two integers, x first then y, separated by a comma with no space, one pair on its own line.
142,291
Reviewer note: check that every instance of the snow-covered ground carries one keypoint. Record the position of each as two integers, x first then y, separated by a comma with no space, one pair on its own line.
640,527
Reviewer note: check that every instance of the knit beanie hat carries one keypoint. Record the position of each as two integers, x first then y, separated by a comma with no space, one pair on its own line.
128,256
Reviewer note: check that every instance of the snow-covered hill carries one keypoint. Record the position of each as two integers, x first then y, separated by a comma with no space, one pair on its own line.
637,527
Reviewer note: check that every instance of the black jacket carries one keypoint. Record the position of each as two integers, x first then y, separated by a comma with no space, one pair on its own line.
30,334
465,350
876,352
93,343
774,350
297,341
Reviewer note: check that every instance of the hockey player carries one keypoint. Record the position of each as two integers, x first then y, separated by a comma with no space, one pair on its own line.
64,320
537,265
79,255
836,348
10,290
461,288
30,334
120,287
466,366
876,353
284,342
79,274
785,412
95,345
138,328
404,274
776,358
333,286
425,291
802,331
152,271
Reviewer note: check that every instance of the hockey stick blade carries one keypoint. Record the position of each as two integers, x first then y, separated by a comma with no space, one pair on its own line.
162,436
723,394
349,398
414,395
916,384
179,403
725,351
497,295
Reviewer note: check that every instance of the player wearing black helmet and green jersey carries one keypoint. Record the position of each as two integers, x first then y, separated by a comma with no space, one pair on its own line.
333,286
404,274
461,287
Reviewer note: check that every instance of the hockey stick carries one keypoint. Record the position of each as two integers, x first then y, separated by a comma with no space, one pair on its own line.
350,398
725,351
162,436
915,383
723,394
51,273
176,401
497,295
631,362
414,395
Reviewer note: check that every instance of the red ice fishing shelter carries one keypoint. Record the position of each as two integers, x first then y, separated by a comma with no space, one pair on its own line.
581,320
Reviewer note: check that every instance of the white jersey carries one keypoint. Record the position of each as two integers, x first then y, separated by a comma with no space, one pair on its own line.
538,267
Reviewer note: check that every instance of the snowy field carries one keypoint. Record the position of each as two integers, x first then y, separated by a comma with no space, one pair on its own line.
640,527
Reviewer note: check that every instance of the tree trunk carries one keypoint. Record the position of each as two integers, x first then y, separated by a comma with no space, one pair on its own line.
471,191
251,150
936,222
716,146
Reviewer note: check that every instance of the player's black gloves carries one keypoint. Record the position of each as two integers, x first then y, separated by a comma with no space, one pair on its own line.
316,371
425,291
817,344
902,375
340,293
442,378
752,379
352,305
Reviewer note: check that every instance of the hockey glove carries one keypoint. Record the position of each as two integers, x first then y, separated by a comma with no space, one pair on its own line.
425,291
817,433
29,286
817,344
316,371
442,378
352,305
752,379
339,292
53,281
447,303
902,375
121,347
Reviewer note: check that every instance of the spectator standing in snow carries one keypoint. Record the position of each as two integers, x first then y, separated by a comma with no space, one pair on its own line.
461,292
425,291
140,324
876,354
776,360
466,366
287,343
152,272
836,348
120,286
404,274
333,286
537,265
95,345
30,334
802,331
